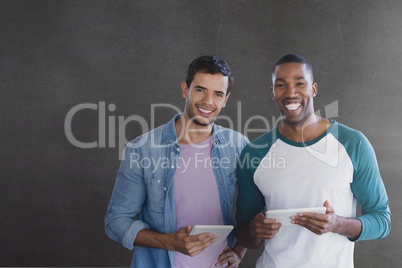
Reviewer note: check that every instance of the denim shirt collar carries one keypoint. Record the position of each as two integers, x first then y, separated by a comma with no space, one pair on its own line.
169,133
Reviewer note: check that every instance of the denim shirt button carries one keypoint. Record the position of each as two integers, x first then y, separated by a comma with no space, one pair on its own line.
158,181
164,188
178,149
172,166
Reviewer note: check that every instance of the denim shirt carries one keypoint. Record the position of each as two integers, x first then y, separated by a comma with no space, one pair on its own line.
143,195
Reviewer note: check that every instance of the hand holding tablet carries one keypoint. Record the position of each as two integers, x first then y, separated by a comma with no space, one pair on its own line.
283,215
221,231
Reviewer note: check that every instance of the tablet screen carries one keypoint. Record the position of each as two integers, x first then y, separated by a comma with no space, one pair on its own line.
222,231
283,215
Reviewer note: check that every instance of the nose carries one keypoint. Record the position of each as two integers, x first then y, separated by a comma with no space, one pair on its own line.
208,98
290,90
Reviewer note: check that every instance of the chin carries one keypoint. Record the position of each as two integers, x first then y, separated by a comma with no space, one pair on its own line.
293,121
203,123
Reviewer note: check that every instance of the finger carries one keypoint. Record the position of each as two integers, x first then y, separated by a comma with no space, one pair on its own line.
223,256
185,230
317,229
330,209
310,218
204,237
270,225
227,248
222,260
270,221
194,244
264,228
315,226
207,238
260,218
264,222
265,233
226,258
195,249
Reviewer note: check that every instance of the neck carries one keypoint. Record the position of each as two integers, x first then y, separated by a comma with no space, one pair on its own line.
189,132
305,131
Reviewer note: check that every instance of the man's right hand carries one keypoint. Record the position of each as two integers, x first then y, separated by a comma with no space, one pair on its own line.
252,234
191,245
264,228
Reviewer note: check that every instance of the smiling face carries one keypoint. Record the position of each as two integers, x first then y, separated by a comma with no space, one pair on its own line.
205,97
293,92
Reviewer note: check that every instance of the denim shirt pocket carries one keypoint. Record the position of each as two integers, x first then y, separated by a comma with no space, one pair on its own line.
156,194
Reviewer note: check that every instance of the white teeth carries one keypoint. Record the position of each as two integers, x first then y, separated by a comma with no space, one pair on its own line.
205,111
292,106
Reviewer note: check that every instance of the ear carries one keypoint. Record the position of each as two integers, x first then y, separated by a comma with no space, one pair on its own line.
226,100
315,89
272,93
184,89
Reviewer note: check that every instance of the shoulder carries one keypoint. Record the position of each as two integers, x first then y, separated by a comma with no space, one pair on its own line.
227,131
154,135
357,146
263,142
162,135
226,135
348,136
261,145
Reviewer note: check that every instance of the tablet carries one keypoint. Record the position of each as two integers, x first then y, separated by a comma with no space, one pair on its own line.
221,231
283,215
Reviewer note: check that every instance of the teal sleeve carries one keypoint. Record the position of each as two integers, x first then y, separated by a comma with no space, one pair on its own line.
250,200
369,190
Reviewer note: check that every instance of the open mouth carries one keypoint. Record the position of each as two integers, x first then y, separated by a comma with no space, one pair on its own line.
292,106
205,111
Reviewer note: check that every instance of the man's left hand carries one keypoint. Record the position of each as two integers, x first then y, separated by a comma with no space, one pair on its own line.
228,256
317,223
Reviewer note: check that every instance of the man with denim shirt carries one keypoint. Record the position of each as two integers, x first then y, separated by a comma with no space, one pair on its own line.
181,174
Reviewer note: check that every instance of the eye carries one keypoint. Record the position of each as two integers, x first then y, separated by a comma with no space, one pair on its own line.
280,85
219,95
300,84
199,90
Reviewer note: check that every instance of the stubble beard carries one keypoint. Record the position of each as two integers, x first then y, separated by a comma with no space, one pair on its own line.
194,118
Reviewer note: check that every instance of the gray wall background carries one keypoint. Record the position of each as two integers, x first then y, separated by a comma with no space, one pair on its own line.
58,54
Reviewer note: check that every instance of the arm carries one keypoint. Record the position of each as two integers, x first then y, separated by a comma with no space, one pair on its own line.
369,190
349,227
371,194
329,222
252,226
127,199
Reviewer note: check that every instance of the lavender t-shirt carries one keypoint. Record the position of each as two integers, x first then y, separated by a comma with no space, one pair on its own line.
197,200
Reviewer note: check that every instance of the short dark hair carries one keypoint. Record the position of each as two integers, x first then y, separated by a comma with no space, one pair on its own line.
294,58
210,65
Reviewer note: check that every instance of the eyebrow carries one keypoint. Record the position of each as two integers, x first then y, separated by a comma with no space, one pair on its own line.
297,78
